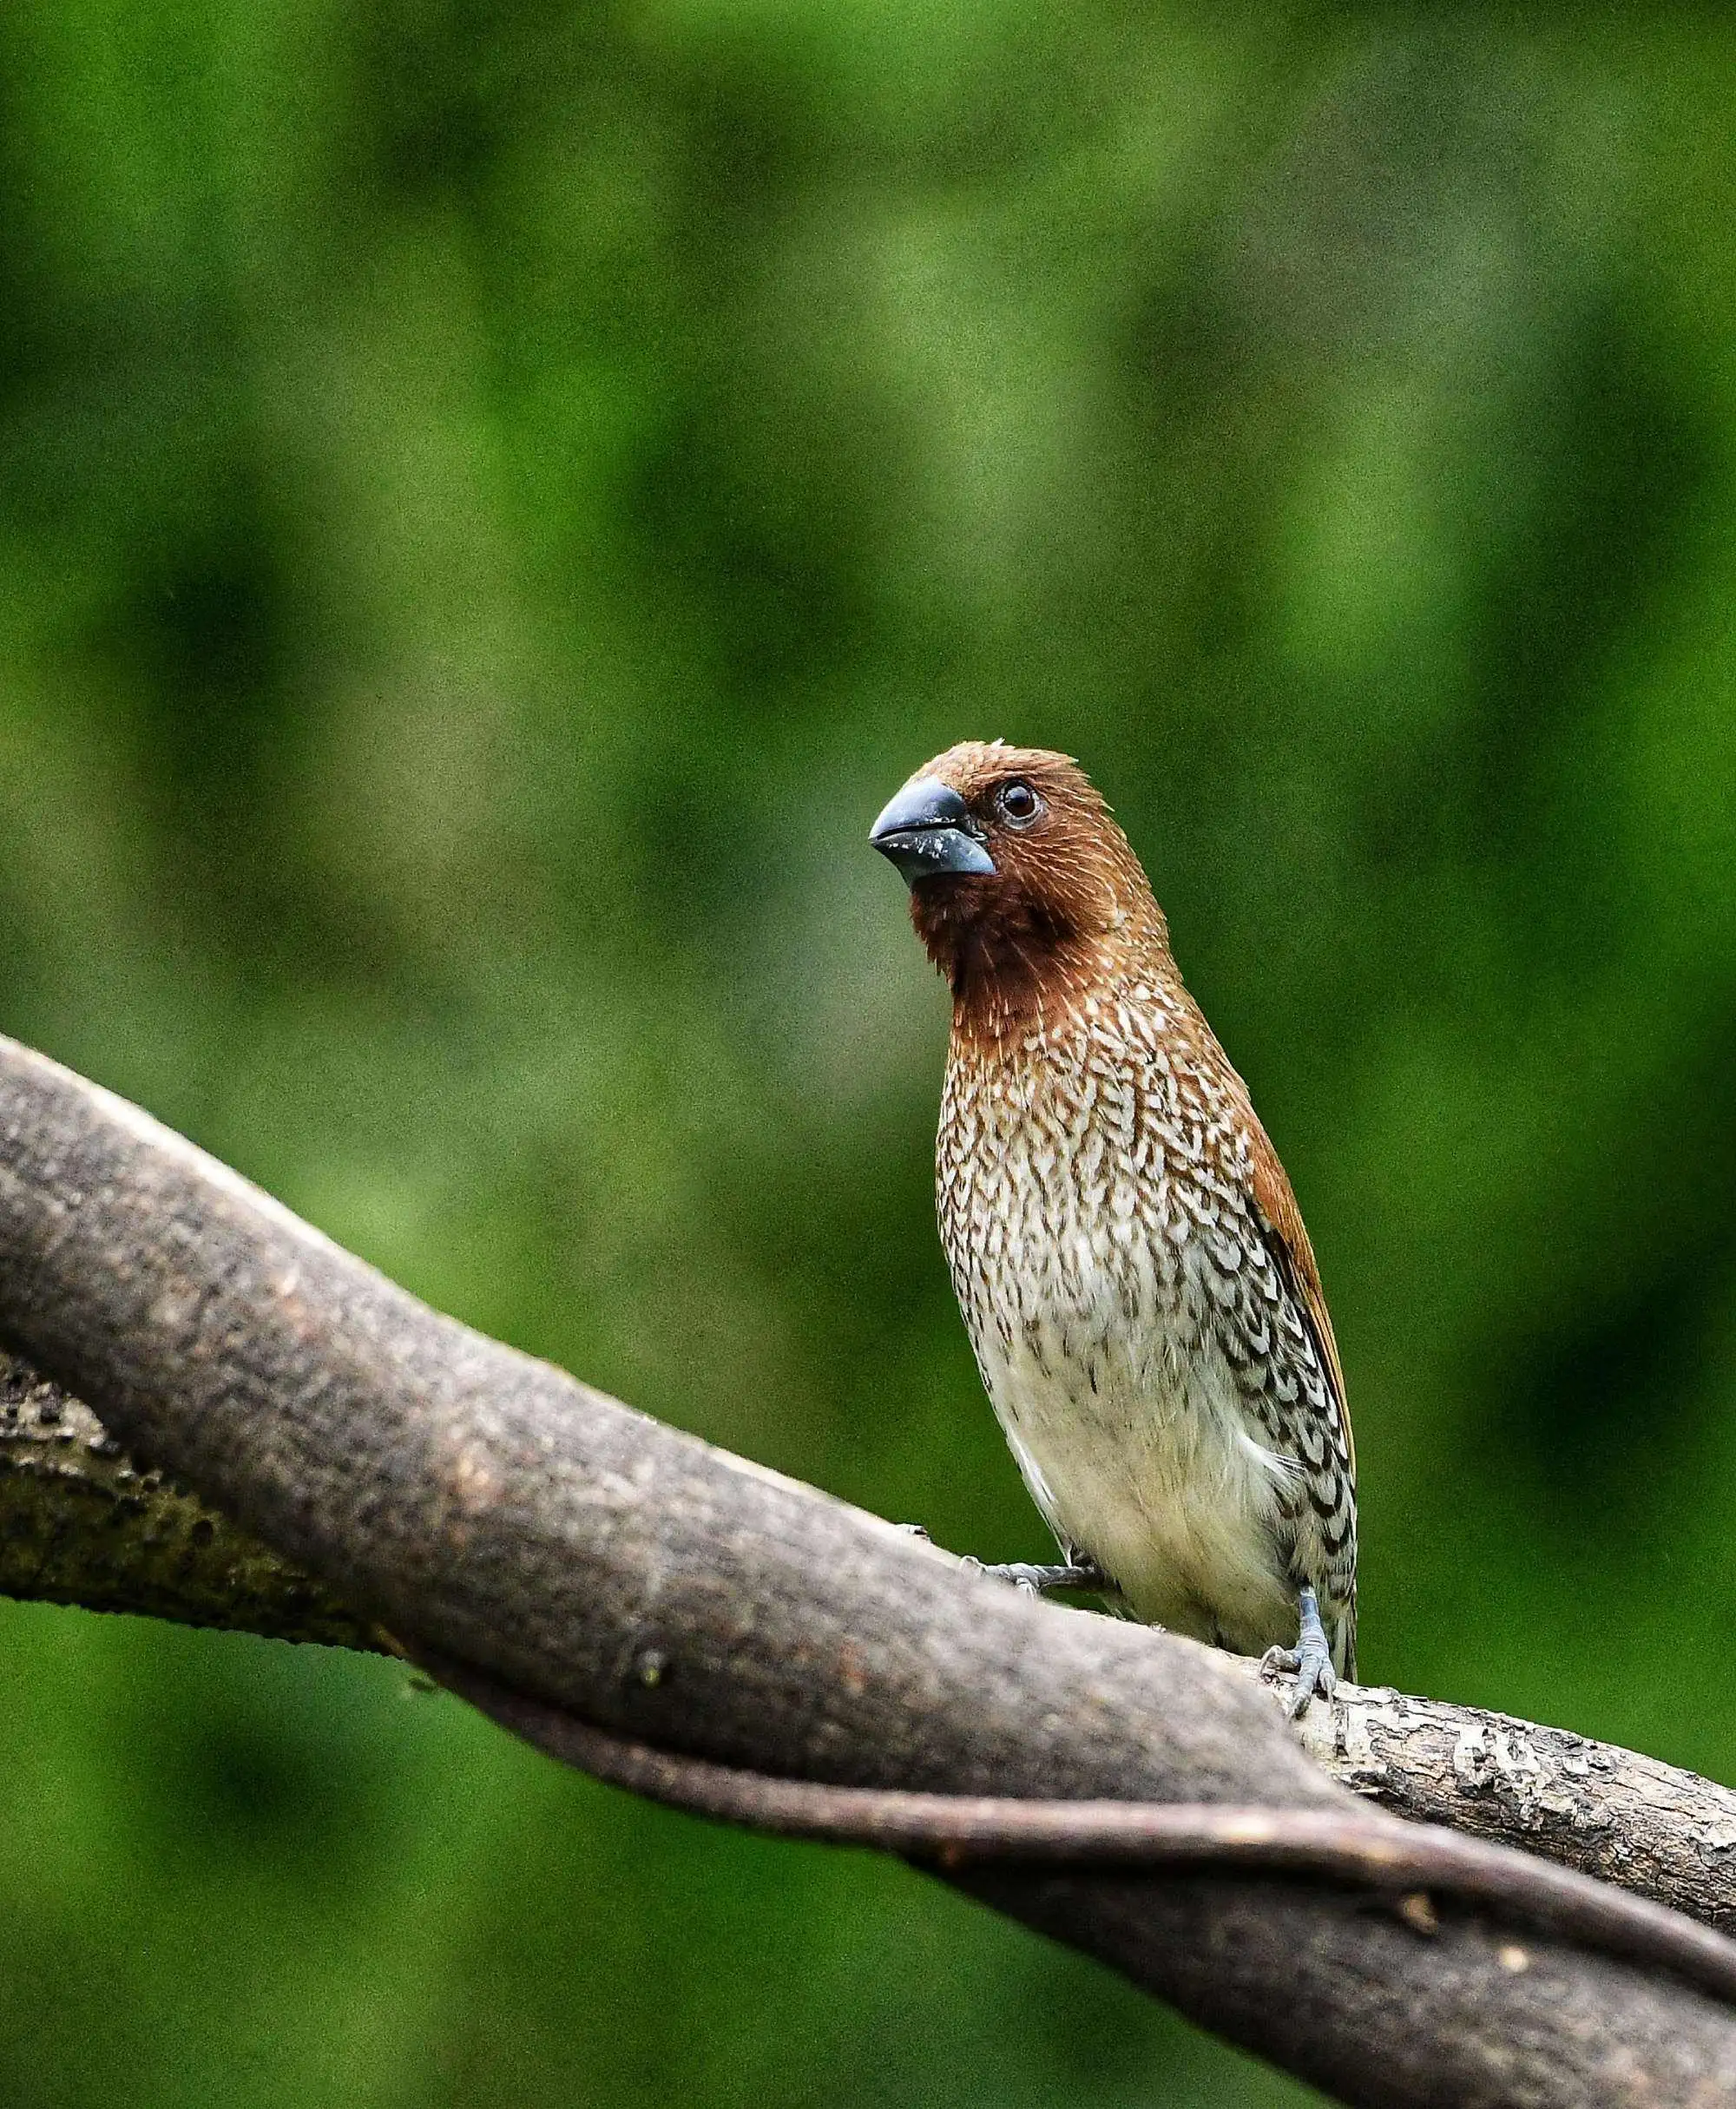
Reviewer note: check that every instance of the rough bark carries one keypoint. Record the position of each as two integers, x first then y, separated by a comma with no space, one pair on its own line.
1627,1819
1411,1864
80,1523
499,1514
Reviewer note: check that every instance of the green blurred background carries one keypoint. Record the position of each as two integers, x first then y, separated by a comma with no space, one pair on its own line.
493,496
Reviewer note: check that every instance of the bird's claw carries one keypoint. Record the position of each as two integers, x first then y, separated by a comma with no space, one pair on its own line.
1310,1661
1033,1579
1312,1668
913,1530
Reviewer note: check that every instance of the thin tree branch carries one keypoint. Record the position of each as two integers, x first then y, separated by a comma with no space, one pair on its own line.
504,1517
1612,1813
82,1523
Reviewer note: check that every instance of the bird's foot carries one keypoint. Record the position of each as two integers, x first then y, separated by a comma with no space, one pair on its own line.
914,1530
1310,1661
1078,1573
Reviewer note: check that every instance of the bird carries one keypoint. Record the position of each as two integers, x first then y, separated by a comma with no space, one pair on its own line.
1128,1254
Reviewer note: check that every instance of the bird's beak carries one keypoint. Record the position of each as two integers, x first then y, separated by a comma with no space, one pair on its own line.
928,833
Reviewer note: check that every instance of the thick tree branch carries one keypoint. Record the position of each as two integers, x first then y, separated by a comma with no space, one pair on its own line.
82,1524
1405,1860
502,1516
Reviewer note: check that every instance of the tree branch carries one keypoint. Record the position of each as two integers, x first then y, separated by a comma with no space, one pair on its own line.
82,1524
1405,1860
1612,1813
506,1518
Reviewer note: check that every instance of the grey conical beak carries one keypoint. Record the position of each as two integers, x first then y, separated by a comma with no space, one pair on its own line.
928,833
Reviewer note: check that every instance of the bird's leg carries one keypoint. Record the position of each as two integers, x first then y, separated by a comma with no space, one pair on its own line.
1078,1572
1311,1659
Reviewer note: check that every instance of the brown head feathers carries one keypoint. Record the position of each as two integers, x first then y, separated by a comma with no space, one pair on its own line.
1067,904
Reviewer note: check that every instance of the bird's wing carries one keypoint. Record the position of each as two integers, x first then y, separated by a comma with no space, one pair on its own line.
1283,1220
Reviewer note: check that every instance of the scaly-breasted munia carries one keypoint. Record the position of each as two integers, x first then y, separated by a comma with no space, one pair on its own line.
1128,1254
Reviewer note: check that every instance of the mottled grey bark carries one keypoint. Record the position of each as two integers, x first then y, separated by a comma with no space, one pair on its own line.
81,1522
494,1512
1627,1819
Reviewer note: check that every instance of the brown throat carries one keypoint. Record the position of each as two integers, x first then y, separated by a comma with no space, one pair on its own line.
1011,960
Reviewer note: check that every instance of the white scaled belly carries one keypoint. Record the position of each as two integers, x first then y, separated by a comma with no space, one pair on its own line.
1134,1445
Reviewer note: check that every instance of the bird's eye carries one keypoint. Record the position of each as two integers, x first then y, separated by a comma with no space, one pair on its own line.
1019,804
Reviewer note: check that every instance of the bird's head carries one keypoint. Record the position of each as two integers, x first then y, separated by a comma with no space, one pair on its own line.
1022,884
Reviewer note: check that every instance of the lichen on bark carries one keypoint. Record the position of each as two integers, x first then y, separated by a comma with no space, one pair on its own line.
83,1523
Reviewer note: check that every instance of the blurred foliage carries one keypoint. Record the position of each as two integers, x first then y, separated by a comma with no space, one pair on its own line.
493,495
